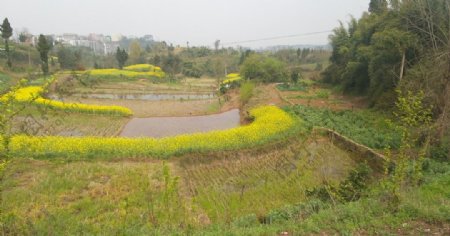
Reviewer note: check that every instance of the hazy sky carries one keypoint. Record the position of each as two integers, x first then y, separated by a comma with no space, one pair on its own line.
200,22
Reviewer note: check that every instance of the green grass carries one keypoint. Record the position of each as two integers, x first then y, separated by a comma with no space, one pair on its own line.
213,107
320,94
137,197
67,198
422,208
5,82
247,192
366,127
231,187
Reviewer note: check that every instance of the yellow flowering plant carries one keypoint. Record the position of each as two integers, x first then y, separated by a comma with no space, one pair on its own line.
270,123
143,68
33,94
232,77
134,71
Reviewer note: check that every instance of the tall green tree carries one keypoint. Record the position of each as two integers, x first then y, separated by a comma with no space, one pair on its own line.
23,37
135,50
7,31
44,47
378,6
121,57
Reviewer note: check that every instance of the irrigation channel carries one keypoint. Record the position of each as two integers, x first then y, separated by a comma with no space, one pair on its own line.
158,127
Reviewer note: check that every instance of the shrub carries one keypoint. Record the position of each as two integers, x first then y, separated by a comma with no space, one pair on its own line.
246,92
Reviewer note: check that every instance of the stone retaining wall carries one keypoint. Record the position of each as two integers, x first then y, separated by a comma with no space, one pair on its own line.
375,160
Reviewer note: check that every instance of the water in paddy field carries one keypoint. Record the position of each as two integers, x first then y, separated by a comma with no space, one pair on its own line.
158,127
147,97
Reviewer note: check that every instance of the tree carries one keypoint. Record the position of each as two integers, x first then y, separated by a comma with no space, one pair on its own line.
7,31
135,52
216,45
121,57
191,69
406,47
377,6
69,58
172,64
44,47
23,37
265,69
294,76
244,55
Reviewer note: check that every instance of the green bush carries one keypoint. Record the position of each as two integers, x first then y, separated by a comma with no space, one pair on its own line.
246,91
265,69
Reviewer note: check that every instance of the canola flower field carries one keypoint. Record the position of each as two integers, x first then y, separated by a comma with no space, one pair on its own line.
133,71
143,68
270,124
33,94
232,77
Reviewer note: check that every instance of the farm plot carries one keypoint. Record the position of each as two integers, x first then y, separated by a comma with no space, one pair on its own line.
244,183
127,198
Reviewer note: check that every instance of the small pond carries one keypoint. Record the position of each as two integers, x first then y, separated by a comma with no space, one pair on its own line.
147,97
170,126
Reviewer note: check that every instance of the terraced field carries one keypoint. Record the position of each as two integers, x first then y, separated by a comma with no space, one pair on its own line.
153,197
97,183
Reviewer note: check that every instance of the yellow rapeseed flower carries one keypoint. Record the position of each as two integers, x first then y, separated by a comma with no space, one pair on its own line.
270,123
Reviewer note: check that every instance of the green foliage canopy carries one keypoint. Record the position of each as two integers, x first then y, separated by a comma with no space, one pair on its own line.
265,69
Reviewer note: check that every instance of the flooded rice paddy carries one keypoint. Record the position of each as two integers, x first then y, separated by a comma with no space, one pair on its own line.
158,127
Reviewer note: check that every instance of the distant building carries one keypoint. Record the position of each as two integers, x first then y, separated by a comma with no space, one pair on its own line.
116,37
148,38
110,48
99,43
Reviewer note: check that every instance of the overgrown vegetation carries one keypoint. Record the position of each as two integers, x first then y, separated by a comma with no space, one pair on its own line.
397,45
246,92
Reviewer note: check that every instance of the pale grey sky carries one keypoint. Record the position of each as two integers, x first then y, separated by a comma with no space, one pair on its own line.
200,22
